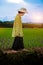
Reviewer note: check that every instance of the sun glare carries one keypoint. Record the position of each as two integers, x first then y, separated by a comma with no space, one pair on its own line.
37,18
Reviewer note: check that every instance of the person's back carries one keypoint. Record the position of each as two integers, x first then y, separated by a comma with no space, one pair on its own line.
17,27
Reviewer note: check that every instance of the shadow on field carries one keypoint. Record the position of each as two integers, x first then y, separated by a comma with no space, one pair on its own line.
31,57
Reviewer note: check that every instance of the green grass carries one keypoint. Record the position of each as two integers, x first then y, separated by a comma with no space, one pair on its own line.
33,37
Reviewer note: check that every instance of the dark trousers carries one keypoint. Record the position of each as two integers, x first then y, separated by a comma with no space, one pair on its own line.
18,43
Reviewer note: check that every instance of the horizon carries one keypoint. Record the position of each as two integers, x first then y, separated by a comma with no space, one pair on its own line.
8,10
22,22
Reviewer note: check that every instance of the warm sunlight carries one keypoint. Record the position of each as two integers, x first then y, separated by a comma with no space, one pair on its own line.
37,18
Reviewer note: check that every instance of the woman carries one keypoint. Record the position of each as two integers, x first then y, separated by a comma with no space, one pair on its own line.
17,31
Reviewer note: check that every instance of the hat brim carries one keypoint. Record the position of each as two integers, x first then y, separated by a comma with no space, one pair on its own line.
23,11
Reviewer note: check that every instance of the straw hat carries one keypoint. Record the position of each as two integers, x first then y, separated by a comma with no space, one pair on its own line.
23,10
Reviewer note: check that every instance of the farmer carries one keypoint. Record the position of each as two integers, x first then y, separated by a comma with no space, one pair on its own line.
17,30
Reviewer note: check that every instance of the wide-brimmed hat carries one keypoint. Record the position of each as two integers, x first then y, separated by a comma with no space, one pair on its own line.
23,10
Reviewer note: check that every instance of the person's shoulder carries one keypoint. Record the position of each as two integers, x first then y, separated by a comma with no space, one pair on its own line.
17,15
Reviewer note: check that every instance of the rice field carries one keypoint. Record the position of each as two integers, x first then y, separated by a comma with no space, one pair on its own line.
33,37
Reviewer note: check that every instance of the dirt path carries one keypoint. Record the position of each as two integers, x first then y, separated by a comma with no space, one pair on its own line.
13,51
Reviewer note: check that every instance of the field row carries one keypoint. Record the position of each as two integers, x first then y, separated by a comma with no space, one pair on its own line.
33,37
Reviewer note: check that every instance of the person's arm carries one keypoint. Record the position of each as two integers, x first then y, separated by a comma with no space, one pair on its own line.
17,26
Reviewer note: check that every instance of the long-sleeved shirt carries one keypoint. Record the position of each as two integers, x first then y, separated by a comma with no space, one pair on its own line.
17,27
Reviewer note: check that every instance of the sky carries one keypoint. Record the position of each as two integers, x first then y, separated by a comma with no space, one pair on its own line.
9,9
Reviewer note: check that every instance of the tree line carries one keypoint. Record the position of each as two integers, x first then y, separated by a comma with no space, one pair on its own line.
9,24
6,24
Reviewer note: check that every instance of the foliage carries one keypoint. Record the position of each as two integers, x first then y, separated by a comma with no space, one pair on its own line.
9,24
